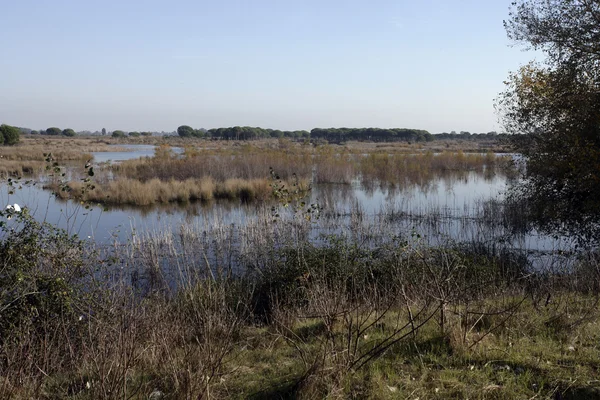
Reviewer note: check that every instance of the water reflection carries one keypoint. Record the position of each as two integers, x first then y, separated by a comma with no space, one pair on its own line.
133,151
460,206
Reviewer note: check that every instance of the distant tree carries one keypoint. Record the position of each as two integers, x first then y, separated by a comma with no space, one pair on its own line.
10,134
68,132
103,131
34,133
146,133
54,131
199,133
118,134
134,134
185,131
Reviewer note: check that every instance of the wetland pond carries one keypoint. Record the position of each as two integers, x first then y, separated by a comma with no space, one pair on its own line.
461,208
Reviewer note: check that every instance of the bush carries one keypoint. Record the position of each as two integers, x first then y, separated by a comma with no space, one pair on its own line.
9,135
40,275
68,132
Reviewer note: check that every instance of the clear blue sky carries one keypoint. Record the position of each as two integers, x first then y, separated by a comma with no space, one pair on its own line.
298,64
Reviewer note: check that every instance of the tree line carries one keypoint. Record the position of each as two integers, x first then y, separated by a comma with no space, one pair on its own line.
330,134
334,135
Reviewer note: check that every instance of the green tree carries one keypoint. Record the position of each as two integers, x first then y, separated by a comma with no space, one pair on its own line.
68,132
54,131
103,131
118,134
553,111
10,134
134,134
185,131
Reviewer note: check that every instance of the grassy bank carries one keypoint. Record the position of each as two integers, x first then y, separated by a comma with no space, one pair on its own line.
265,311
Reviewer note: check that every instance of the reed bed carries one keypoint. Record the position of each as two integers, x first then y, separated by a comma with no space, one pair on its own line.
424,167
13,168
155,191
324,165
253,165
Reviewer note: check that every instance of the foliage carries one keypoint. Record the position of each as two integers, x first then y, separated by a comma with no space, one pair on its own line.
188,131
185,131
118,134
9,135
54,131
557,107
68,132
39,273
374,134
134,134
248,132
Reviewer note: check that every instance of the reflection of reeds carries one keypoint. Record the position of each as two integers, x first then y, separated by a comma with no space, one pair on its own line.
423,167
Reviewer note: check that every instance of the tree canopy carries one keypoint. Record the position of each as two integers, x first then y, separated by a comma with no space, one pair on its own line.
553,110
54,131
68,132
9,135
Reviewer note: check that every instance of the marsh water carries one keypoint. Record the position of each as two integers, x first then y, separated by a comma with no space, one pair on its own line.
447,208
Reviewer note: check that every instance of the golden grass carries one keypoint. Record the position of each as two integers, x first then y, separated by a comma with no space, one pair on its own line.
155,191
249,164
12,168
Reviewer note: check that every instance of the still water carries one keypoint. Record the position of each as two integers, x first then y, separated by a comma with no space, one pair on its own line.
445,208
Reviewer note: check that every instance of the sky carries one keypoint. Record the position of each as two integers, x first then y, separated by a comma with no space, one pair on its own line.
283,64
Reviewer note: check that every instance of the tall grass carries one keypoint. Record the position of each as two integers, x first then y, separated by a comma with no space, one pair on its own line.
155,191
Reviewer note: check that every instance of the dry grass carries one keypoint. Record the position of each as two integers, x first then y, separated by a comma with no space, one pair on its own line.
423,167
12,168
156,191
248,163
62,149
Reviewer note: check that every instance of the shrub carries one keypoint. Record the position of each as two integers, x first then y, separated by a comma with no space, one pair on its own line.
9,135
